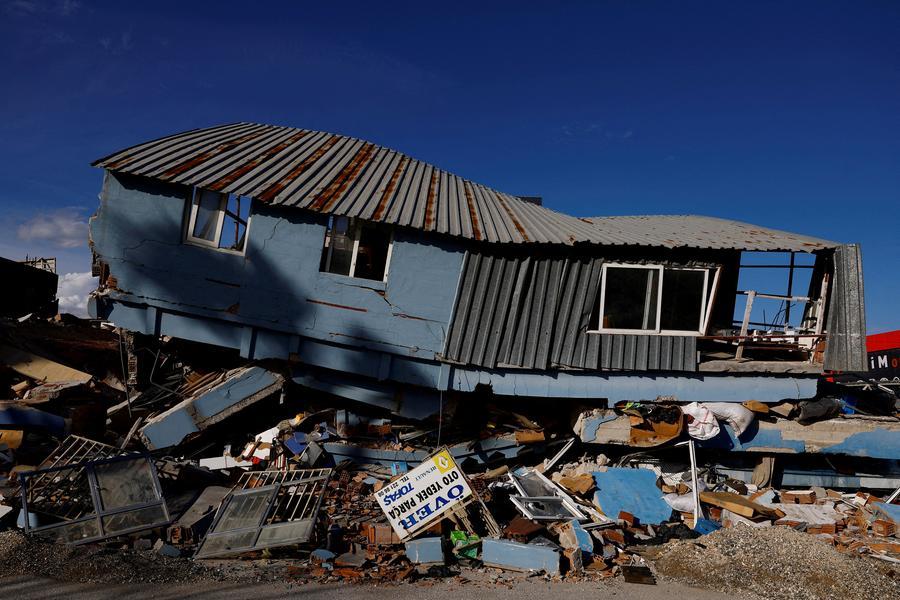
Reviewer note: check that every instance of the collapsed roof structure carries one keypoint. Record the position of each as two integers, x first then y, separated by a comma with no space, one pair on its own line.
304,340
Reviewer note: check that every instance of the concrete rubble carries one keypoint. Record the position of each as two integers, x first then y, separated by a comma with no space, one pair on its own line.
188,455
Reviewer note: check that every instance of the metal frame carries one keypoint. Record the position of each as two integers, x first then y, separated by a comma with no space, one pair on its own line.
558,492
71,451
311,483
705,304
521,503
88,470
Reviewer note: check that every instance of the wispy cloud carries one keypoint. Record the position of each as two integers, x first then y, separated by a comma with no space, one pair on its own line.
72,292
68,7
593,129
63,228
27,8
118,45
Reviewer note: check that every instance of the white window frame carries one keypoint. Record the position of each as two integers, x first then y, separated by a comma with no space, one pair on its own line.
705,307
356,227
220,217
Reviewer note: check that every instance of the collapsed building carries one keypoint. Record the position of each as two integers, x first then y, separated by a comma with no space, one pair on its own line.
391,282
293,328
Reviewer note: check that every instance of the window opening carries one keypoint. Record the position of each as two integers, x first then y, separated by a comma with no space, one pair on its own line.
653,299
356,249
219,220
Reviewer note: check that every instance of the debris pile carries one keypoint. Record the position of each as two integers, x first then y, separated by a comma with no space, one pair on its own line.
779,563
180,451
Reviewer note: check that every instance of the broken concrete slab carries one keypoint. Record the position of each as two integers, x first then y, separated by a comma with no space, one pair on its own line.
239,389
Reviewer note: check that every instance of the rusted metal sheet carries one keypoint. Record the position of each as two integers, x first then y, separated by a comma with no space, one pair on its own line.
345,176
846,349
675,231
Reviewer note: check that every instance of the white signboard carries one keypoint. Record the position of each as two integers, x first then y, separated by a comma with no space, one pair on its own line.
421,496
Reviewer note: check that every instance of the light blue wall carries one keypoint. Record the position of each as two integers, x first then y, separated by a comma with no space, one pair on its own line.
273,299
274,303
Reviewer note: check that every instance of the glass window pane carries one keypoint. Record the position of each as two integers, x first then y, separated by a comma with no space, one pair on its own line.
631,298
339,240
207,215
135,519
682,302
234,223
72,533
125,483
219,544
245,510
294,532
371,258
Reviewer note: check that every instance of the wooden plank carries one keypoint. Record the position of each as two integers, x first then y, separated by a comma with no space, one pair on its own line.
39,368
739,505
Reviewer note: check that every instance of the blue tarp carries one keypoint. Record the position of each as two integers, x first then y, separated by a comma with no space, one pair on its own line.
633,491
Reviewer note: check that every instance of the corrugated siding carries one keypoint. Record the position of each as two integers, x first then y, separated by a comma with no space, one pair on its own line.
534,313
340,175
846,349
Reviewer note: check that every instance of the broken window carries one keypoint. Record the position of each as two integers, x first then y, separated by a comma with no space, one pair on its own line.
541,499
653,299
356,248
218,220
93,500
269,508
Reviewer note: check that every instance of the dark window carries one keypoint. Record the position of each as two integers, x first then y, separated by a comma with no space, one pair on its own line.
630,300
356,249
651,298
683,299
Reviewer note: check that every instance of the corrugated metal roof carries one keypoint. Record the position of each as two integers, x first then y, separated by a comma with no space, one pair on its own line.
345,176
534,313
693,231
341,175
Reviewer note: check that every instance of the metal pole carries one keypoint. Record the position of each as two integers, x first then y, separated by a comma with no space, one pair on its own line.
695,488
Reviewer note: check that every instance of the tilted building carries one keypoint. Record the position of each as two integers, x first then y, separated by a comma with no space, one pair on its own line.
385,280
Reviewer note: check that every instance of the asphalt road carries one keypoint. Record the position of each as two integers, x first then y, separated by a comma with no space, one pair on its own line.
24,588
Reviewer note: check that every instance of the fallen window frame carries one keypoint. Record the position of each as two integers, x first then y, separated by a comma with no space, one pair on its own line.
355,229
259,483
550,492
707,298
100,514
221,212
565,512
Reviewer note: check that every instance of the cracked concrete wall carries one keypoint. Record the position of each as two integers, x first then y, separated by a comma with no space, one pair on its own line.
274,290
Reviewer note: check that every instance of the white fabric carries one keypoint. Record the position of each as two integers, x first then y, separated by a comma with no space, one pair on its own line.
681,503
735,414
704,425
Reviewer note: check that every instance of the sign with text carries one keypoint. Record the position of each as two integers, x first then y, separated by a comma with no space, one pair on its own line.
420,497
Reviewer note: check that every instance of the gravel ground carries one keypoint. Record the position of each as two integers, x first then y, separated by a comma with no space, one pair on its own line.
776,563
22,556
523,588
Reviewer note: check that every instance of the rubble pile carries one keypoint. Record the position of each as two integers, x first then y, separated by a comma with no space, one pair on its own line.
776,563
146,453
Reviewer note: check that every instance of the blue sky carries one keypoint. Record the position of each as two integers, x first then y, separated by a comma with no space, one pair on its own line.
785,114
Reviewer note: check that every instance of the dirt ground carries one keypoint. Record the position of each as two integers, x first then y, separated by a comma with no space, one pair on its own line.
774,563
523,588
